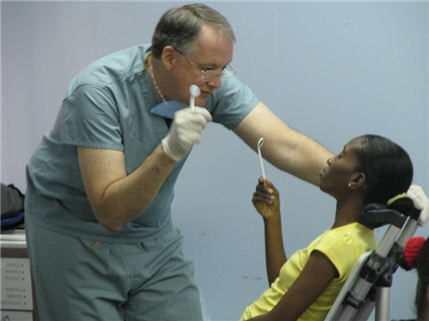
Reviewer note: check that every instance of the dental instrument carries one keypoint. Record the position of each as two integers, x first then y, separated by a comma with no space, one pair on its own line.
195,92
260,143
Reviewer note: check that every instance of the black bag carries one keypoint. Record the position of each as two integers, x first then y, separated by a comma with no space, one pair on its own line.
12,206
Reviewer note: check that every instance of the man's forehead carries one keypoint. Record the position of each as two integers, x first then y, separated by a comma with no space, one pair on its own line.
213,47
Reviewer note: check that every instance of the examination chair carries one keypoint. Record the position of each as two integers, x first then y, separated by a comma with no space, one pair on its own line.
369,283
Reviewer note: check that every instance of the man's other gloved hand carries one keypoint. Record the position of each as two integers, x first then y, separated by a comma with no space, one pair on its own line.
421,202
185,131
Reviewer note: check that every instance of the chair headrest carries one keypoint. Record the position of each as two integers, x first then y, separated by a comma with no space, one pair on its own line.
375,215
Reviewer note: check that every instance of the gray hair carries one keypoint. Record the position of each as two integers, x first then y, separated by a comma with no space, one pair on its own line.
180,27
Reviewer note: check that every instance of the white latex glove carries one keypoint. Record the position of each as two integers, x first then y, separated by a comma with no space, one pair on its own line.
421,202
185,131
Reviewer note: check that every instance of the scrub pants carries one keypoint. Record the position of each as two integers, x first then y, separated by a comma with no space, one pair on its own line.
81,280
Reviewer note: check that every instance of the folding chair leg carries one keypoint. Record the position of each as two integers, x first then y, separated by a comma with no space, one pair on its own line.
382,306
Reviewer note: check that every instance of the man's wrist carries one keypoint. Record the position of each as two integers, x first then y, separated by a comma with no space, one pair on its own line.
168,152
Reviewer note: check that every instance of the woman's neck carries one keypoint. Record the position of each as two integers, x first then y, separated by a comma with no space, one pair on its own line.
347,212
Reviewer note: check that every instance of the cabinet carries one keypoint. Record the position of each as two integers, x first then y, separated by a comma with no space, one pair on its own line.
18,296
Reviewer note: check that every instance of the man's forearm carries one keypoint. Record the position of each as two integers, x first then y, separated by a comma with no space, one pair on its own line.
125,198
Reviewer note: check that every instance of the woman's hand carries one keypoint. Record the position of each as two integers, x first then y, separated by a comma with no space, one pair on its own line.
266,199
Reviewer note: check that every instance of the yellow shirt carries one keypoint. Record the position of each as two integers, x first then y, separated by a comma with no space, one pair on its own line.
343,246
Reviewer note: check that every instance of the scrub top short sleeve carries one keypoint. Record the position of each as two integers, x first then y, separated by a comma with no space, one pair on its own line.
230,104
91,119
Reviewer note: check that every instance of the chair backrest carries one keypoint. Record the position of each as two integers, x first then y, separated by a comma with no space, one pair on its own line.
372,273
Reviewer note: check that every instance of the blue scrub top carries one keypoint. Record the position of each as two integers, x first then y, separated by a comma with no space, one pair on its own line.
108,106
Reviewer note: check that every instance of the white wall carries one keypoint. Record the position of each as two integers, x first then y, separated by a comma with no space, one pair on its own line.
332,70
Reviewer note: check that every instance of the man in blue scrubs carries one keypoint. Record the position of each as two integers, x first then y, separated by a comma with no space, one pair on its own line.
100,184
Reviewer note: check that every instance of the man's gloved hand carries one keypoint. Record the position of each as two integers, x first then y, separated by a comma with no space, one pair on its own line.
185,131
421,202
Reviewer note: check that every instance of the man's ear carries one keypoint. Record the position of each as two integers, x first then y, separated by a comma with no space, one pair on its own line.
168,57
358,179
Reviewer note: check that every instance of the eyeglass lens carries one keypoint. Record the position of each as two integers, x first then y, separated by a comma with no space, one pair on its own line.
225,74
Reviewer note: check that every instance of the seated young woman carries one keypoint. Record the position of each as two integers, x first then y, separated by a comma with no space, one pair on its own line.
370,169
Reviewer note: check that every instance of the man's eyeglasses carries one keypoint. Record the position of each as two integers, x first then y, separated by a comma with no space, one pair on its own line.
208,75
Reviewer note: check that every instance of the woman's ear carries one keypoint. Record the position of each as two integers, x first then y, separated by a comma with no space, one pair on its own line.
358,179
168,57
